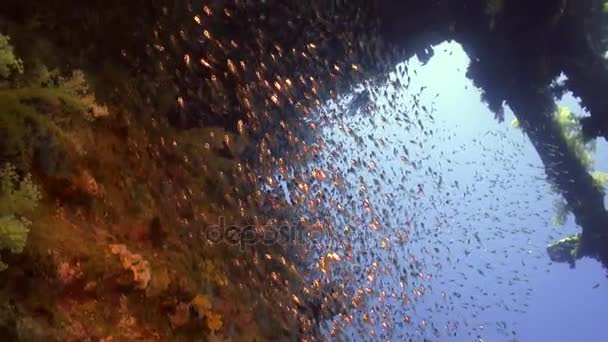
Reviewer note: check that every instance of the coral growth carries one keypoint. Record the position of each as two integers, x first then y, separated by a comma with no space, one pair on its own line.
38,110
565,250
68,273
8,62
17,197
202,305
134,263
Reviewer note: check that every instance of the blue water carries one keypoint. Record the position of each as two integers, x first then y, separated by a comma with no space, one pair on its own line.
461,201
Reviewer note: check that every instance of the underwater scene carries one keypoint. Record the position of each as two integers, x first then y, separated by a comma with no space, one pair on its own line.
312,170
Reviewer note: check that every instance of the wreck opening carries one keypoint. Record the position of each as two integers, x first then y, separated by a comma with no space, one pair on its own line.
138,128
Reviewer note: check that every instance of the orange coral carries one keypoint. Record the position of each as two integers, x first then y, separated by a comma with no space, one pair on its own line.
135,263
